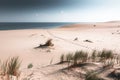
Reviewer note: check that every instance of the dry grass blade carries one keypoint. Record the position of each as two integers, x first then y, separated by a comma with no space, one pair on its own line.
80,57
4,68
94,55
69,58
106,55
62,58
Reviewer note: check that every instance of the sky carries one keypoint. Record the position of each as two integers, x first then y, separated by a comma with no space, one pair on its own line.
59,10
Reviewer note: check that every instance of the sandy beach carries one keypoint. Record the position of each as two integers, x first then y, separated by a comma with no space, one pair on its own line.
65,39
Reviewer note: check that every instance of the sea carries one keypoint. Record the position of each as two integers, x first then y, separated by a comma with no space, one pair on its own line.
32,25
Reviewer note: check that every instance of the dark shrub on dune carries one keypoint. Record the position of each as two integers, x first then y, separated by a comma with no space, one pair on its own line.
47,44
88,41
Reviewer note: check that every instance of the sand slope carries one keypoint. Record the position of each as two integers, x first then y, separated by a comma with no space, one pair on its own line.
22,42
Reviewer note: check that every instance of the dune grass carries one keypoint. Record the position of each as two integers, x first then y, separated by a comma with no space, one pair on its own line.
105,56
10,68
74,58
62,58
69,58
94,56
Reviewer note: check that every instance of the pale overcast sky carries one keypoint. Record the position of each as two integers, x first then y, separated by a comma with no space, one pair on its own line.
59,10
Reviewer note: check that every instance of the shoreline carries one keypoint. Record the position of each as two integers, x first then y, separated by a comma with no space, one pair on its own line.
72,25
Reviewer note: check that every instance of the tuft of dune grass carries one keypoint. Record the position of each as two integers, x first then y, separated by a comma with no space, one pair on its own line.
105,56
10,67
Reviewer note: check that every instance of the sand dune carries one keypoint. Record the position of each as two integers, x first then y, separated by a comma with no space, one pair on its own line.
22,42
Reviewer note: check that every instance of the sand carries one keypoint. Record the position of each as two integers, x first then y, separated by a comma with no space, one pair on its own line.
22,42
